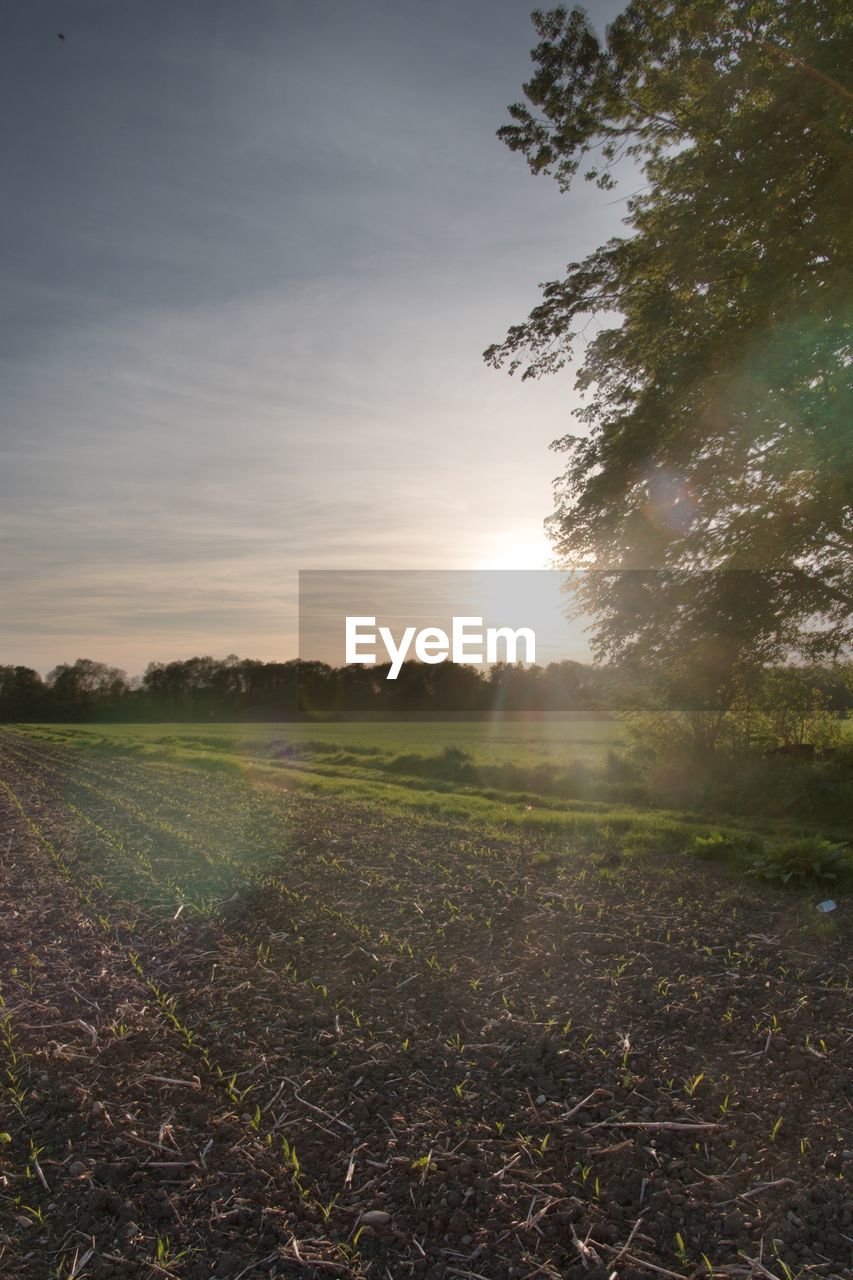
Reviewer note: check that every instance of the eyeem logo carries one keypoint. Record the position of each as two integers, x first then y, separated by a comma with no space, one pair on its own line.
467,643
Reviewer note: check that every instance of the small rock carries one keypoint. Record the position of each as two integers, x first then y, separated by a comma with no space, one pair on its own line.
375,1218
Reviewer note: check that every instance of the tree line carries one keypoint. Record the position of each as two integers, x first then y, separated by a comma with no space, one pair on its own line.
232,688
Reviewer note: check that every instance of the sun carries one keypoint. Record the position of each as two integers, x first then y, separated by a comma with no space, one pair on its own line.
522,550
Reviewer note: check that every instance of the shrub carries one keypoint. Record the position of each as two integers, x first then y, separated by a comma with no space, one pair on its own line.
808,860
719,844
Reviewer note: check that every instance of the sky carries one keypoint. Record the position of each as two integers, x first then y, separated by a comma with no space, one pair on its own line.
252,254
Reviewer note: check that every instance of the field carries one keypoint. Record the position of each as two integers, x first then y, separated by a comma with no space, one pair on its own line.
523,742
317,1001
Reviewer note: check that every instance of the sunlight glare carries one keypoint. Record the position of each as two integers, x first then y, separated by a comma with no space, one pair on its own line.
522,550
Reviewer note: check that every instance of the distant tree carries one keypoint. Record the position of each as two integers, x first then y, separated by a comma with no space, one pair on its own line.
716,433
457,687
84,686
571,686
269,689
23,695
411,692
319,692
514,687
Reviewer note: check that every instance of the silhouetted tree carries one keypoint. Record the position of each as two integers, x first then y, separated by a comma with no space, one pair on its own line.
716,432
23,695
85,688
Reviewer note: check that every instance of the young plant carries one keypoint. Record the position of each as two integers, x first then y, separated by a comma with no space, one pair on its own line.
690,1086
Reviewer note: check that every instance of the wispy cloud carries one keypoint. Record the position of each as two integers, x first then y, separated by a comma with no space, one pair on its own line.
256,259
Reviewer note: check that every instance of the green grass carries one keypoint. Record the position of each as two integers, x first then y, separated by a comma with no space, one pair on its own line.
524,762
398,768
528,743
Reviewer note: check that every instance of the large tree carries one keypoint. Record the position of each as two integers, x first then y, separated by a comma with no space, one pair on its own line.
716,430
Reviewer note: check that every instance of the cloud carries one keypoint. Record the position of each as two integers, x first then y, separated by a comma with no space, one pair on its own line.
256,263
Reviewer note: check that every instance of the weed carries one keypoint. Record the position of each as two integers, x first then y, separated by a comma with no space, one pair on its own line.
164,1255
809,860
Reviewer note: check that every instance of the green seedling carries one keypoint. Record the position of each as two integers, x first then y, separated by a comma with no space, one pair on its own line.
326,1209
424,1163
164,1255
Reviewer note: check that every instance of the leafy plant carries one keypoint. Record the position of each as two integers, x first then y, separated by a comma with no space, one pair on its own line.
804,861
719,844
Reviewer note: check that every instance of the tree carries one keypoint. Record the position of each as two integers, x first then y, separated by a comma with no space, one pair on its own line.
715,433
23,696
86,686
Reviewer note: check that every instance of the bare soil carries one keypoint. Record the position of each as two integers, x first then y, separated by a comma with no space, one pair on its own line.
250,1032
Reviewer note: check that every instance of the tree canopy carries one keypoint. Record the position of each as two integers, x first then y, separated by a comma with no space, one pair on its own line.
715,430
232,688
